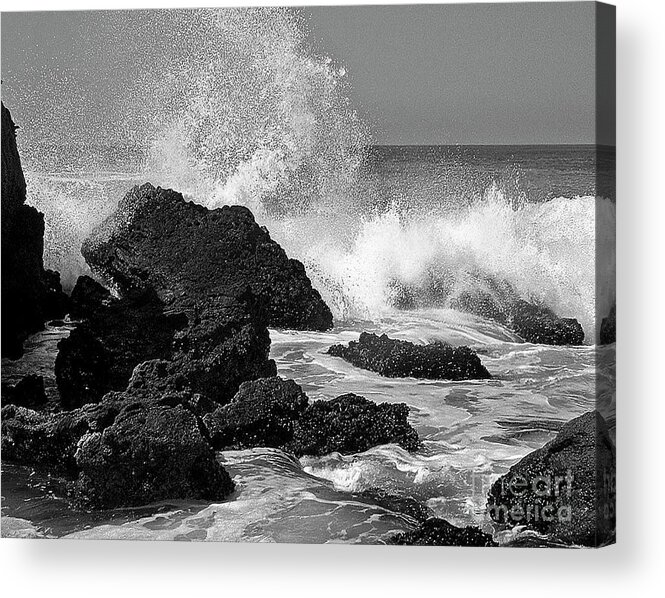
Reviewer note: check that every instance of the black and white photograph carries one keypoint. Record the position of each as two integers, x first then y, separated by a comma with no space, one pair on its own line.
310,275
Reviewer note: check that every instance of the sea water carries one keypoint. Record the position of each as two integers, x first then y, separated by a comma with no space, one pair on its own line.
267,123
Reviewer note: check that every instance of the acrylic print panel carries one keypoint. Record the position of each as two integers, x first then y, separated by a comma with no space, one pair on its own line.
327,274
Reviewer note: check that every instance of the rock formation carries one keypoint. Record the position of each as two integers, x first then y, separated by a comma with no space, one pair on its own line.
438,532
30,294
565,489
400,359
184,251
276,413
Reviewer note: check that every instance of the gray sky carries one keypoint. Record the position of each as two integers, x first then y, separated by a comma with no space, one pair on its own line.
475,73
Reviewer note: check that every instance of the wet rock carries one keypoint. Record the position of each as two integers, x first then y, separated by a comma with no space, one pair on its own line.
481,303
46,440
535,323
273,412
539,324
565,489
217,344
100,353
88,296
351,424
395,358
183,250
153,383
124,451
438,532
30,294
225,344
149,453
608,328
27,392
262,413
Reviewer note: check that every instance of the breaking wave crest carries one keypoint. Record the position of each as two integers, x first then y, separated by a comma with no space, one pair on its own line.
545,251
244,111
263,121
267,123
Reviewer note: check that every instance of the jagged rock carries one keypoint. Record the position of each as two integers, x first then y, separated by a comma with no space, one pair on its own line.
153,383
30,294
88,296
608,328
125,451
496,300
438,532
184,251
534,323
484,304
27,392
148,453
539,324
185,275
46,440
565,489
226,343
273,412
101,353
351,424
212,348
262,413
395,358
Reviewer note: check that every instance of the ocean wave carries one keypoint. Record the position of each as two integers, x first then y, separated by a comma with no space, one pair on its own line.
262,121
546,252
255,117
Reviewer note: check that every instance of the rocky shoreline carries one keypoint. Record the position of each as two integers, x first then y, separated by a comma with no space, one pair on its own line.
169,362
398,359
563,494
30,293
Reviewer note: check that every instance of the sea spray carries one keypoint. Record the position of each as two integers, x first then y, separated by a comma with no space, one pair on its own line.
545,251
237,108
262,121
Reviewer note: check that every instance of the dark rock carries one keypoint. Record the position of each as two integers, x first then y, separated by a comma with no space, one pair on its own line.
395,358
123,451
27,392
351,424
152,383
154,377
88,296
185,276
56,303
273,412
211,349
30,294
101,353
148,454
185,251
498,301
438,532
481,303
566,489
539,324
13,181
608,328
262,413
46,440
225,344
